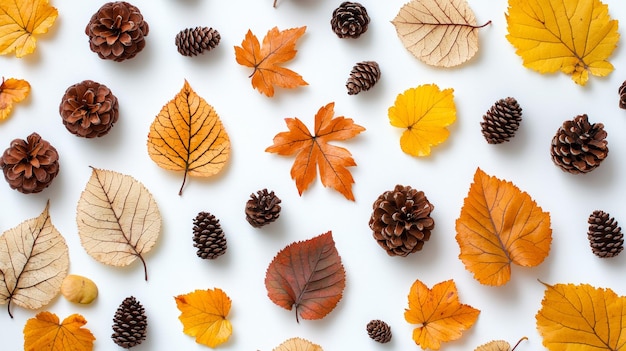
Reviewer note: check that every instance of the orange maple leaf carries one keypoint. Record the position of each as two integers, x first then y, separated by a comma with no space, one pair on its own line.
20,21
203,314
278,48
439,314
313,151
499,225
44,333
12,90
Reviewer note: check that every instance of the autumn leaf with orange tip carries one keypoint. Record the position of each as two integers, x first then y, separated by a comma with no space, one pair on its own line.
11,91
44,332
203,315
20,21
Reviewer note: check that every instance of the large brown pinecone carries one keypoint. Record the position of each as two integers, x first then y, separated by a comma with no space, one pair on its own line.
501,121
401,220
89,109
350,20
262,208
362,77
379,331
605,236
579,146
622,95
117,31
129,323
30,165
194,41
208,236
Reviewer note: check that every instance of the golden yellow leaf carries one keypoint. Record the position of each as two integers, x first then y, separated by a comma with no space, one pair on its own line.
12,90
582,317
20,21
298,344
424,112
118,219
188,136
44,333
575,37
499,225
34,259
203,314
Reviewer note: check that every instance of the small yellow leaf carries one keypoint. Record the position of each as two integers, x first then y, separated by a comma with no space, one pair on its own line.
20,21
298,344
203,315
12,90
44,333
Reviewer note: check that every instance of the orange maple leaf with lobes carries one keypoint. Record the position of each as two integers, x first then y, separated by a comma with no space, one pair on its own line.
313,150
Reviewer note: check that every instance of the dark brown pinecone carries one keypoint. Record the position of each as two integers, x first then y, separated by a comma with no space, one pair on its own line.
605,236
401,220
129,323
350,20
362,77
579,146
501,121
89,109
208,236
30,165
622,95
117,31
194,41
379,331
262,208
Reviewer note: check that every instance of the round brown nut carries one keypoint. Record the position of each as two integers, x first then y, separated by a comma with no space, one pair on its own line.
78,289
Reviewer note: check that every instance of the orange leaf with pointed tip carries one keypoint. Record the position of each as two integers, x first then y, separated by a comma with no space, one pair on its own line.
12,90
20,21
44,333
203,314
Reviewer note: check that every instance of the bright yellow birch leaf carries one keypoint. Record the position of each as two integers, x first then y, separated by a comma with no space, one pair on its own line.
12,90
20,21
575,37
203,315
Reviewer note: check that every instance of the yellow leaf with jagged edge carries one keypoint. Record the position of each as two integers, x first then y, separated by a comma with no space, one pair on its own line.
575,37
45,333
203,315
12,90
298,344
20,21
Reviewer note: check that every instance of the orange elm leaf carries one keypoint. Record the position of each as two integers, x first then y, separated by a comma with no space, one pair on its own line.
20,21
12,90
44,333
203,315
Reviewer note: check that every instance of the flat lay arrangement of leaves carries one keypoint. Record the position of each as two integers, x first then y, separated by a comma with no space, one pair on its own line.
428,221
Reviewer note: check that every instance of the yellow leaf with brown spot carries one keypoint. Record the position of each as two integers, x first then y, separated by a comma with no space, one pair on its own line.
20,21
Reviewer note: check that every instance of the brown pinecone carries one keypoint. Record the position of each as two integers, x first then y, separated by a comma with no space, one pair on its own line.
379,331
605,236
262,208
350,20
117,31
622,95
362,77
129,323
30,165
401,220
193,41
89,109
208,236
501,121
579,146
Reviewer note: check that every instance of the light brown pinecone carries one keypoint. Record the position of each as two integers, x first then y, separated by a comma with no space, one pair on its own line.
362,77
30,165
117,31
579,146
89,109
401,220
622,95
194,41
262,208
501,121
350,20
129,323
208,236
605,236
379,331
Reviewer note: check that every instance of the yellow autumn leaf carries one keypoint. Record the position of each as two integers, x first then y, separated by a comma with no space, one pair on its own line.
424,112
20,21
188,136
12,90
45,333
203,315
575,37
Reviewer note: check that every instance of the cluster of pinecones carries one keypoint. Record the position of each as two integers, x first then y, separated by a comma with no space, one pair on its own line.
89,109
605,236
129,323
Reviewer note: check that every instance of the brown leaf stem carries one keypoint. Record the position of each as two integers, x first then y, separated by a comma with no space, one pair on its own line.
180,192
518,342
484,25
145,267
9,308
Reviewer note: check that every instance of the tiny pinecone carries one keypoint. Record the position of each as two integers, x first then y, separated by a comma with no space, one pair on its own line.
193,41
262,208
117,31
605,236
501,121
379,331
579,146
30,165
350,20
401,220
89,109
208,236
362,77
129,323
622,95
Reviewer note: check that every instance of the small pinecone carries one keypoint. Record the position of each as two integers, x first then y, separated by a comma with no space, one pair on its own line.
579,146
401,220
129,323
193,41
262,208
116,31
208,236
622,95
89,109
604,235
379,331
350,20
362,77
501,121
30,165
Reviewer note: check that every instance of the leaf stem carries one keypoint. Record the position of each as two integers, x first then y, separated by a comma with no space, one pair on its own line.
9,308
180,192
520,340
484,25
145,267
